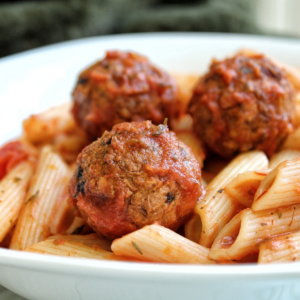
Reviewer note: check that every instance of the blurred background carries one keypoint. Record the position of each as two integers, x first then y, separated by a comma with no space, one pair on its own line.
29,24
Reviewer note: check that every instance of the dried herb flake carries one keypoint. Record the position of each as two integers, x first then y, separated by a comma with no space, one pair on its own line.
137,248
161,128
220,191
279,214
33,197
17,179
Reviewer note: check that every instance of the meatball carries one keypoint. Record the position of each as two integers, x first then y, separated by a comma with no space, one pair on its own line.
133,176
243,103
123,87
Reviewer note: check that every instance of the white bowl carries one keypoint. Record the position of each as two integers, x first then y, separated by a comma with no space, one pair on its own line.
35,80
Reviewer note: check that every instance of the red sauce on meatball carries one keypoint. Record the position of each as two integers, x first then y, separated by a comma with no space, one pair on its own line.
133,176
122,87
243,103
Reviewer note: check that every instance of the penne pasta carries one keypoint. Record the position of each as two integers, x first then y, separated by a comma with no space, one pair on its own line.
62,247
87,240
297,121
42,128
284,248
243,187
292,141
159,244
13,189
192,228
190,139
47,185
77,226
217,208
283,155
244,233
280,187
186,85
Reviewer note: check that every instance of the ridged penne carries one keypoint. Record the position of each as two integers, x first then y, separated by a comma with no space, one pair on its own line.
243,234
193,228
284,248
87,240
217,208
159,244
13,189
281,156
43,127
62,247
47,184
280,187
243,187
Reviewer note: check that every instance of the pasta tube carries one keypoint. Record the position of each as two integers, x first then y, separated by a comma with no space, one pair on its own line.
243,187
217,208
42,128
292,141
280,187
191,140
87,240
47,185
243,234
159,244
283,248
13,189
282,156
192,229
62,247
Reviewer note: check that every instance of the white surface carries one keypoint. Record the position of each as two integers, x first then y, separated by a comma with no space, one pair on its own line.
37,79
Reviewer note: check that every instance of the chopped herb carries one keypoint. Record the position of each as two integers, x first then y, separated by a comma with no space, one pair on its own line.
33,197
279,214
137,248
78,230
263,224
17,179
161,128
220,191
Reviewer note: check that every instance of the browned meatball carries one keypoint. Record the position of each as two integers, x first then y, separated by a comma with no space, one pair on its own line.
123,87
133,176
243,103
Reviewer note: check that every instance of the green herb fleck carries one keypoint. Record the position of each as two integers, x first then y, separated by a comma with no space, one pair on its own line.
220,191
279,214
33,197
78,230
137,248
161,128
17,179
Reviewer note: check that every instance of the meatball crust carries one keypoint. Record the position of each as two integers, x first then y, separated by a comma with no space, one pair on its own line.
123,87
243,103
133,176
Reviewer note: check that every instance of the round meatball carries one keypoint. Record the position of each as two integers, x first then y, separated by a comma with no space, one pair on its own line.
243,103
123,87
133,176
